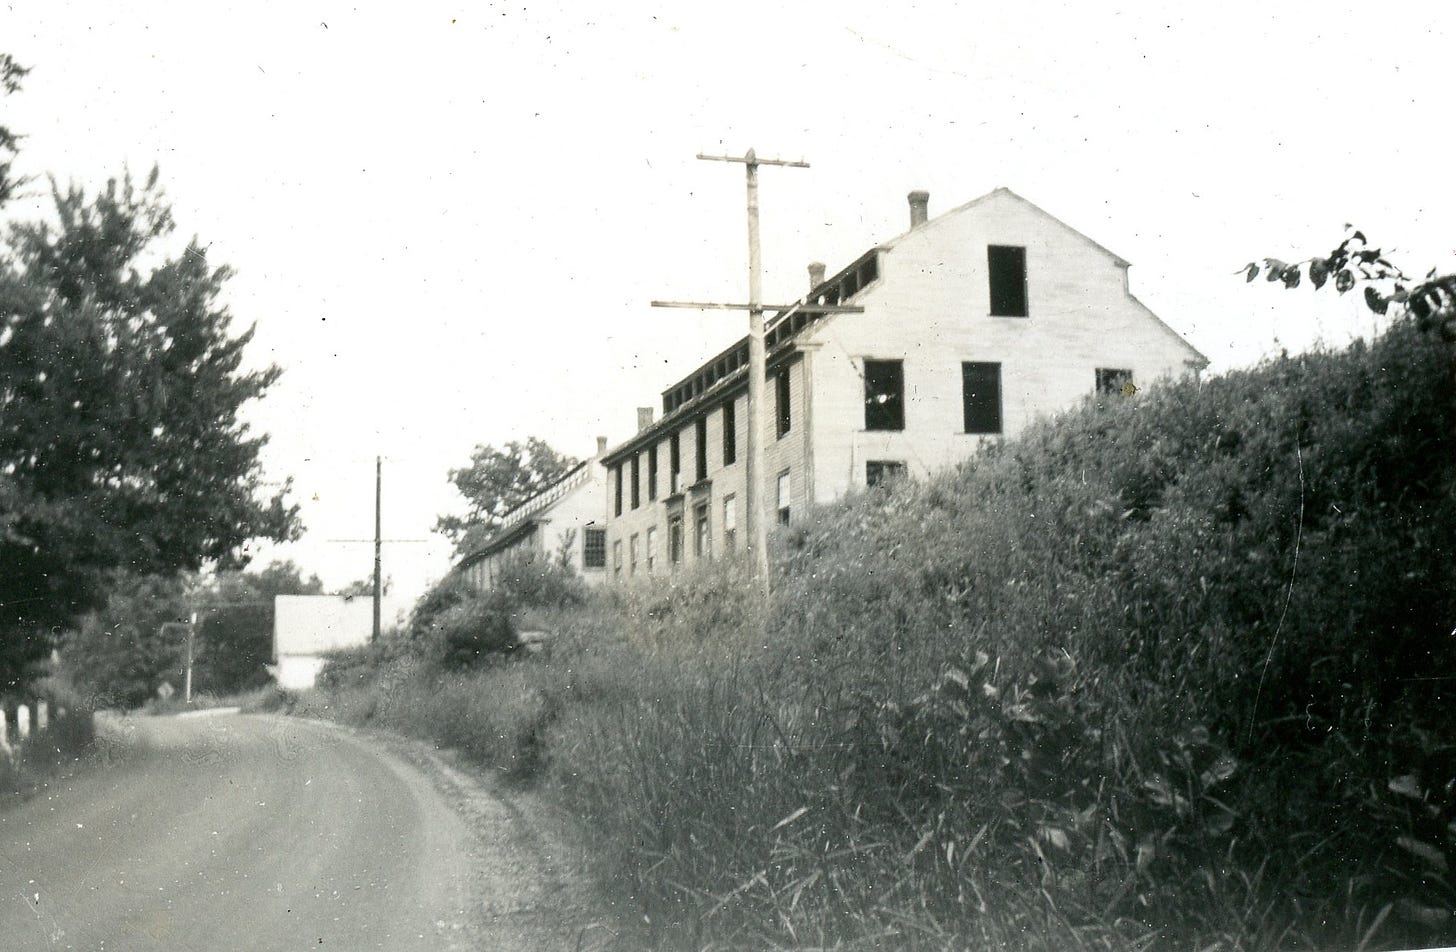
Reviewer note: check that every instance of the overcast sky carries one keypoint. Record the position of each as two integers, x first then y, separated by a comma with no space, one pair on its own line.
447,221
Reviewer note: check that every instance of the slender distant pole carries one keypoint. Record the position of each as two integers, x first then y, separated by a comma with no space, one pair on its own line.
187,682
378,539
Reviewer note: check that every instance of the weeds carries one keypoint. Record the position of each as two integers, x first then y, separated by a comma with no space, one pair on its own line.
1080,693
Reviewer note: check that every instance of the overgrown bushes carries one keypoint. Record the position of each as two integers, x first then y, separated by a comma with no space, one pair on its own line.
1164,672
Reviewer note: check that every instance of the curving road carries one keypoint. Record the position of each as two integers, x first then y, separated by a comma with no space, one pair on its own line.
234,832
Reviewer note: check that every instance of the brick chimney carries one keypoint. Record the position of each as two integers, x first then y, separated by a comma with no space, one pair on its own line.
816,274
919,208
644,418
601,446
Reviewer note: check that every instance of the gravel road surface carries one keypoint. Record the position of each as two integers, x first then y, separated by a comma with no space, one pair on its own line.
238,832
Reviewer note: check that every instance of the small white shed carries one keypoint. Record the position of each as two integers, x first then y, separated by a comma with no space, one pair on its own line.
306,627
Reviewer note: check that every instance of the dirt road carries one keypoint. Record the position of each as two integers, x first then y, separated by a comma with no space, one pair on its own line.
234,832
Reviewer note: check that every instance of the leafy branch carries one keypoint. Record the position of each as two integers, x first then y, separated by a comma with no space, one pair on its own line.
1431,300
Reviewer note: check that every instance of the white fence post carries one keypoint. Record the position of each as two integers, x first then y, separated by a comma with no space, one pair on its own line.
22,722
4,732
42,715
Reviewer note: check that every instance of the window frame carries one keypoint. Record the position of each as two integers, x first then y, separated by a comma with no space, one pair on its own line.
617,479
636,469
889,470
589,536
888,405
730,521
966,392
700,448
784,497
1006,281
783,405
730,432
652,472
1110,380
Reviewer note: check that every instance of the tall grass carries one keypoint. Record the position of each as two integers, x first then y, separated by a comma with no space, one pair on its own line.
1161,674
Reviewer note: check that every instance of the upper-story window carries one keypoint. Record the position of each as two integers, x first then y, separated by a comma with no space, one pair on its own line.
617,489
1006,265
784,417
636,480
700,448
884,395
674,462
652,472
730,433
981,393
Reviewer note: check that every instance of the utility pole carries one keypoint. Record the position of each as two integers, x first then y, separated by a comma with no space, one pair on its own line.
378,542
757,527
187,685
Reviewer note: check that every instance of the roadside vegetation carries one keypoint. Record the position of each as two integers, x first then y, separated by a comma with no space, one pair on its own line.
1166,672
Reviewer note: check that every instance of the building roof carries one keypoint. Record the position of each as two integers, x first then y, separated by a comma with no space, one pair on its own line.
726,374
522,519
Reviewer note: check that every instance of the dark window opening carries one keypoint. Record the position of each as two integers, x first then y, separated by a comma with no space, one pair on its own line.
674,539
879,472
617,479
1007,267
702,537
730,433
1115,381
636,481
884,395
594,548
652,472
674,463
700,449
781,391
981,385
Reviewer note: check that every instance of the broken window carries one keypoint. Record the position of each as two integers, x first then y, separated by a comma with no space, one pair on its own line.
1114,381
700,449
881,471
702,533
730,522
674,538
981,391
1006,265
674,463
781,392
884,382
730,433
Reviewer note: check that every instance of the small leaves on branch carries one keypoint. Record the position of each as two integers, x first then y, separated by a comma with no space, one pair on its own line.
1431,301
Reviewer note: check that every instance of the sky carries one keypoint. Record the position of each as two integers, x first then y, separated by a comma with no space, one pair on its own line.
447,221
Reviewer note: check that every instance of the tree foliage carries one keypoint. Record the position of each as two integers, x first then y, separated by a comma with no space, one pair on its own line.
120,653
1430,300
235,627
11,73
121,443
497,481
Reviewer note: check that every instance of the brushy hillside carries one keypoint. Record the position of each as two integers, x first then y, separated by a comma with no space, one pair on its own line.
1165,673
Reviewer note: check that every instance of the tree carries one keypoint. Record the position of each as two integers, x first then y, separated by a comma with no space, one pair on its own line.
235,627
120,391
497,481
1431,300
11,73
119,654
